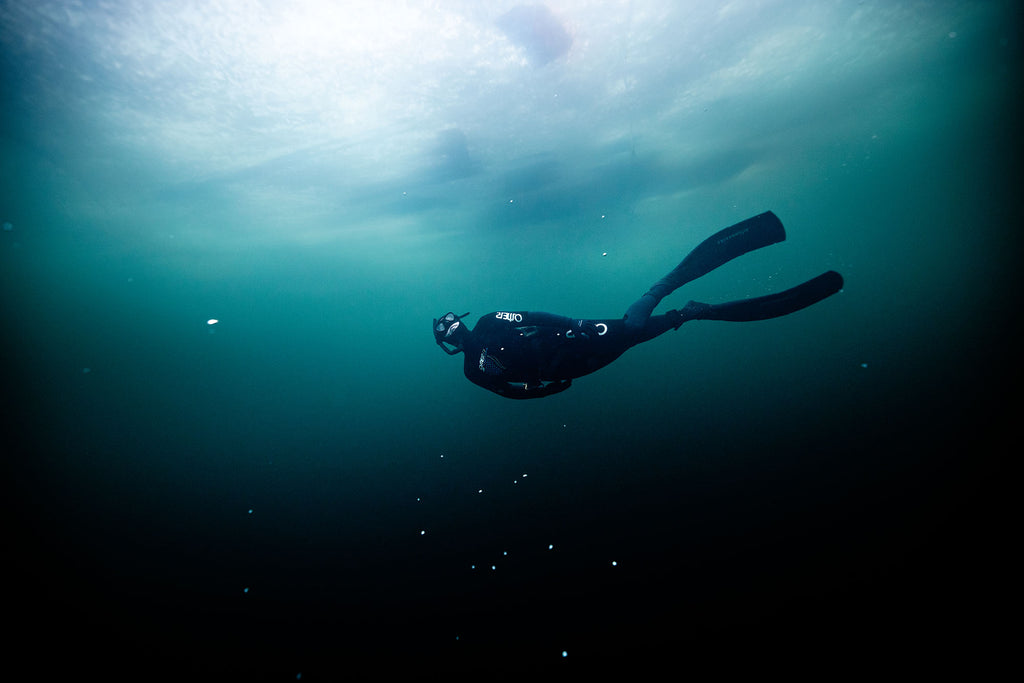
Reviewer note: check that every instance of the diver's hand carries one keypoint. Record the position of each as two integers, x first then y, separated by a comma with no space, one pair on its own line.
532,389
583,329
556,387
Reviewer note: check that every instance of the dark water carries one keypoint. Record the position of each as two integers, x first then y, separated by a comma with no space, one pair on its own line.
308,487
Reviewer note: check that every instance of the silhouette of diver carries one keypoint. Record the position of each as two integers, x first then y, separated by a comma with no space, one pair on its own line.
521,354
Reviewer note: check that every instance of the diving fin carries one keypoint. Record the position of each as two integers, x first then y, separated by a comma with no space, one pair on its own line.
765,307
725,245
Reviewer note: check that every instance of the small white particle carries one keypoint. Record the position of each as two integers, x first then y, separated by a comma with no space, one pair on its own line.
212,321
423,532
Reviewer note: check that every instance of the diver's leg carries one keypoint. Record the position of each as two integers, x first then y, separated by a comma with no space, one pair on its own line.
604,341
720,248
763,307
657,325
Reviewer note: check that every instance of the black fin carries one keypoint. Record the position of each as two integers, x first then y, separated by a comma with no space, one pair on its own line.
770,306
725,245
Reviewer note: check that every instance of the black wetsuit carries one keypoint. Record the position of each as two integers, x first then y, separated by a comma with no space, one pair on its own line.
523,354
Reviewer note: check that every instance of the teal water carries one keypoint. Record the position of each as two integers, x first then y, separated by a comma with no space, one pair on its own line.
309,487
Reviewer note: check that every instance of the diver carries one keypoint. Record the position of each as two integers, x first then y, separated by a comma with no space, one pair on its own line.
522,354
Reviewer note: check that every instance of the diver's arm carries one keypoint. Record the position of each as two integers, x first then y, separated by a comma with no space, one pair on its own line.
570,328
546,320
538,390
519,390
